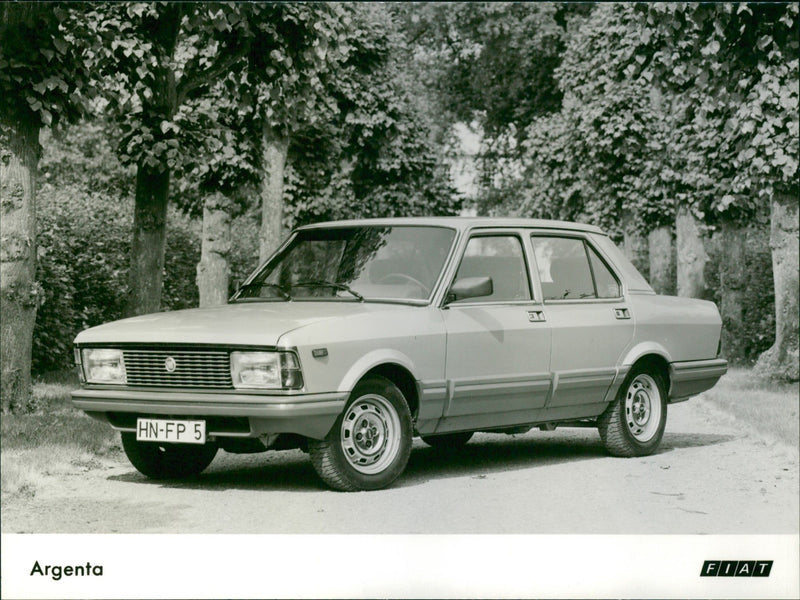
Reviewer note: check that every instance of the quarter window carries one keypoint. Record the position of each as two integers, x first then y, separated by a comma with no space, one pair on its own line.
569,269
499,257
607,285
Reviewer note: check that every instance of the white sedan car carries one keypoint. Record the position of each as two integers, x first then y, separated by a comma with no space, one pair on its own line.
357,335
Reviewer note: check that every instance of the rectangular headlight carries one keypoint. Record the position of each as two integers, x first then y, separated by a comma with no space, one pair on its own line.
266,370
103,365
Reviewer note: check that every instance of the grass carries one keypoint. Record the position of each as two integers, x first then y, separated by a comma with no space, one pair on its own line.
54,440
768,407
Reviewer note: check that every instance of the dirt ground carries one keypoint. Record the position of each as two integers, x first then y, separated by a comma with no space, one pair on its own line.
710,475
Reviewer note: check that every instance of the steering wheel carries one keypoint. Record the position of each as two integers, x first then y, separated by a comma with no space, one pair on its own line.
403,277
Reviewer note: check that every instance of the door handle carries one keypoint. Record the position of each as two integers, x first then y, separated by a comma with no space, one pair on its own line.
622,313
536,316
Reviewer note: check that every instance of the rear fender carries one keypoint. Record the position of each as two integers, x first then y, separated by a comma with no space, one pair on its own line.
643,349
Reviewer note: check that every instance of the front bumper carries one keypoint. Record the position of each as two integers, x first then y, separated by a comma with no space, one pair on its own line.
310,415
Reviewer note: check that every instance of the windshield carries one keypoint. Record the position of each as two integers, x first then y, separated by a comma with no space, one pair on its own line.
354,263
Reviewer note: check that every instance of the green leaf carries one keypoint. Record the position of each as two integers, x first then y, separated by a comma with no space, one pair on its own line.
711,48
764,41
61,45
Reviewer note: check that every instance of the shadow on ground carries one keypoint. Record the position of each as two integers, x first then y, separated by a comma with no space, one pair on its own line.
487,453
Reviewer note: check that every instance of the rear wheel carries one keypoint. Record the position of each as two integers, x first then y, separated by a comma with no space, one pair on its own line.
634,422
369,445
448,441
167,461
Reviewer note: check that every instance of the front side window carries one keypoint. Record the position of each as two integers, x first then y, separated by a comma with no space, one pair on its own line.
569,269
499,257
355,263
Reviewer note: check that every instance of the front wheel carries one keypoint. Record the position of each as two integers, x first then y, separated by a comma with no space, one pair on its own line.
167,461
634,422
369,445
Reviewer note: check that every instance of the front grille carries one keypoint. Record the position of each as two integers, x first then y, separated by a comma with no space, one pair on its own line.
192,368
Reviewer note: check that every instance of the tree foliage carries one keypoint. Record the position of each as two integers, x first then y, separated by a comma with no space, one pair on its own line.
153,58
44,73
603,157
492,62
736,67
375,155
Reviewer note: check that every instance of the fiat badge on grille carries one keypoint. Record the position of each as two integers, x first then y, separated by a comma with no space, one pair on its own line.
170,365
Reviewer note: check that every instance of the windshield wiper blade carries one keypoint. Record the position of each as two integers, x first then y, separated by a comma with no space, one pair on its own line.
338,286
282,292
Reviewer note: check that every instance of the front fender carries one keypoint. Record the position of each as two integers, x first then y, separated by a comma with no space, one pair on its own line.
370,361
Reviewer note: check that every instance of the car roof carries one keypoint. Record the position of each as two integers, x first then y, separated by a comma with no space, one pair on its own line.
460,223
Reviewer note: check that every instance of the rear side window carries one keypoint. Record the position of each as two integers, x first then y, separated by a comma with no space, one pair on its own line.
569,269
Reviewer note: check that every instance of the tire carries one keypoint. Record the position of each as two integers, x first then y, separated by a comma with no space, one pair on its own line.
634,422
369,445
167,461
448,441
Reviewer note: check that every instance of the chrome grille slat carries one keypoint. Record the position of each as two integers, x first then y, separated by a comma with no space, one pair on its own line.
195,368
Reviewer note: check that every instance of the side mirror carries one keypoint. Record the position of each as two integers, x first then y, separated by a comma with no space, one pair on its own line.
470,287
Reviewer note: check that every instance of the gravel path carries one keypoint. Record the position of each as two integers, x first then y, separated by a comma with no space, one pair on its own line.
711,475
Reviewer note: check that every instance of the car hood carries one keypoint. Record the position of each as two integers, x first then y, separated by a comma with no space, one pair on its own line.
255,323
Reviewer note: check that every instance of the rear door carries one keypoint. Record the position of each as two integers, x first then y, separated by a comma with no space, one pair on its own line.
497,345
589,316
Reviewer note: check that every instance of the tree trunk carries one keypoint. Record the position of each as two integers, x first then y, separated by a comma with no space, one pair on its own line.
692,257
662,260
732,285
275,150
635,248
149,237
19,292
781,360
213,271
146,276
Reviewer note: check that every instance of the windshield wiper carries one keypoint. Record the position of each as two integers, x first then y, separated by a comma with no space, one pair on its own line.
281,292
338,286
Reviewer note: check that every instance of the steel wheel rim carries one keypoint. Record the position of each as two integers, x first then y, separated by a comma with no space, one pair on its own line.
643,408
370,434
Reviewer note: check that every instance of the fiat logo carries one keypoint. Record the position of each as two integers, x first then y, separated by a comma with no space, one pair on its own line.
170,365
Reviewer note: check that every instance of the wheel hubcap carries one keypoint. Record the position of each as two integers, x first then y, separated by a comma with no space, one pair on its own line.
643,407
370,434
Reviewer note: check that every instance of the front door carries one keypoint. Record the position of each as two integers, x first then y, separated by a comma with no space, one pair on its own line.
497,345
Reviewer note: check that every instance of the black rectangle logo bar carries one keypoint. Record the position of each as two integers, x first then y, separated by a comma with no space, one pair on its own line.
736,568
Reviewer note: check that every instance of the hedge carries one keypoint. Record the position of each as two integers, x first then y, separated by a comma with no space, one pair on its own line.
82,267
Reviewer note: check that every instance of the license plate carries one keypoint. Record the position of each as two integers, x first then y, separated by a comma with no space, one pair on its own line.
168,430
